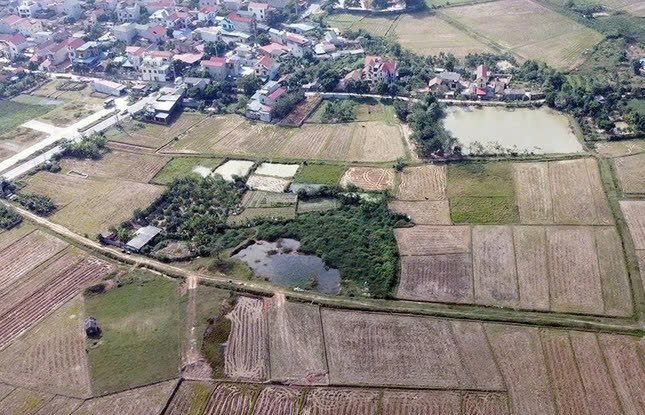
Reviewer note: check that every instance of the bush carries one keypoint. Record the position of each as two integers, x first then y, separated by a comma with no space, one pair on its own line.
92,147
286,103
8,217
339,111
39,204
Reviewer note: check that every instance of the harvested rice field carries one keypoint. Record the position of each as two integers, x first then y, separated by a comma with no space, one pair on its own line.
153,136
423,212
426,182
340,402
148,400
368,178
134,167
267,184
231,168
631,173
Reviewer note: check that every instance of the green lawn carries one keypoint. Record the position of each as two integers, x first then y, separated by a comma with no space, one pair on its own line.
183,166
142,324
15,113
482,193
320,174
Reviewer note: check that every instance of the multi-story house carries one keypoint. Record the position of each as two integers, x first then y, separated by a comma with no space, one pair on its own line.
155,69
128,13
378,70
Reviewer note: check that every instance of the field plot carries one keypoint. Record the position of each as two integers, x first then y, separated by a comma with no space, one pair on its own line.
14,234
634,211
317,205
342,21
229,400
17,140
532,270
247,349
60,405
92,205
51,357
368,178
149,400
319,173
621,353
377,26
620,148
376,141
533,190
153,136
24,402
422,183
5,390
258,199
250,214
485,403
631,172
240,168
190,398
77,104
277,400
324,401
185,166
421,402
377,349
119,165
15,113
212,129
443,278
267,184
432,240
286,171
296,346
429,35
529,30
423,212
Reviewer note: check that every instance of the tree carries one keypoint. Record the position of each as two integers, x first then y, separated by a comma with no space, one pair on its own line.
636,66
286,103
169,33
249,84
263,39
401,109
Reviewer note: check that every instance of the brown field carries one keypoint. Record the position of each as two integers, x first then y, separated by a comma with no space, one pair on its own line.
48,298
529,30
15,233
428,34
229,400
494,272
153,136
309,140
594,373
521,360
423,212
432,240
442,278
247,354
631,172
533,192
421,402
89,206
485,404
26,254
368,178
119,165
51,357
393,350
296,345
566,383
622,356
378,26
325,401
422,183
267,184
616,291
634,211
24,402
620,148
376,141
338,139
255,199
277,400
190,398
574,275
17,140
5,390
215,128
532,271
77,104
148,400
60,405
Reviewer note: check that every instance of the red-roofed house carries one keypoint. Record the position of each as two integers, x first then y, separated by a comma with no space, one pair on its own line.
28,27
135,55
189,58
274,50
298,44
260,10
245,24
266,67
164,55
155,34
378,70
7,24
12,45
221,68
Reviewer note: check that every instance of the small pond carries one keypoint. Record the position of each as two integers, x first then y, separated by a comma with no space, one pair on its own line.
281,264
538,131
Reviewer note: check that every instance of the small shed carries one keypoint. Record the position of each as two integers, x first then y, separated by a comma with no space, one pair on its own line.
108,87
92,328
142,237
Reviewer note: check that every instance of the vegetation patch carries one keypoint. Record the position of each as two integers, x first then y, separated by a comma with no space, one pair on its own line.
141,321
182,167
41,205
15,113
320,174
8,217
484,210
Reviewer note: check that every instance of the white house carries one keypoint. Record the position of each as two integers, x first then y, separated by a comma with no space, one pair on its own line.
221,68
28,8
108,87
125,32
266,67
155,69
259,10
135,55
128,13
377,70
210,34
297,44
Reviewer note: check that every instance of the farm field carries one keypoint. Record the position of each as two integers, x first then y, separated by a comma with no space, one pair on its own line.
23,402
141,322
259,199
185,166
285,171
15,113
153,136
148,400
267,184
631,173
317,205
621,148
342,21
634,7
559,268
134,167
325,174
76,104
426,182
366,109
340,402
250,214
433,212
377,26
190,398
230,400
368,178
529,30
19,139
92,205
429,35
240,168
277,400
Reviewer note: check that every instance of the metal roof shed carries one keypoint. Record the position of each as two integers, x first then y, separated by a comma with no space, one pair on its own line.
142,237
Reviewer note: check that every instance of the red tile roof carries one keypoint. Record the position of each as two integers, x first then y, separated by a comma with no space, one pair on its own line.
277,93
157,30
161,54
13,39
234,17
214,62
11,19
265,61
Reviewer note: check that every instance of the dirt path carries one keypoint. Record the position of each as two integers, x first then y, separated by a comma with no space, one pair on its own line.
589,323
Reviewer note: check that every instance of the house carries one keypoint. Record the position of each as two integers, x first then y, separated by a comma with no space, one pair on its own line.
199,83
28,27
89,54
324,48
142,237
125,32
135,55
165,55
190,59
445,80
91,327
225,23
128,13
378,70
153,6
208,3
514,94
94,15
241,23
12,45
266,67
273,49
209,34
161,17
207,14
108,87
259,10
155,34
156,70
260,104
233,5
297,44
221,68
332,37
301,27
28,9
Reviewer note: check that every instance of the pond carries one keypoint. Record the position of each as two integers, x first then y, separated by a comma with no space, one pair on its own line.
537,131
282,264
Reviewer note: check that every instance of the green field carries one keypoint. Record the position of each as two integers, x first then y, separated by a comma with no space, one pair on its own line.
320,174
367,109
15,113
183,166
141,323
482,193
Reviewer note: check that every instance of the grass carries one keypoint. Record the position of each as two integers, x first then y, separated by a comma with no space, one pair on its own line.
209,303
325,174
141,323
15,113
183,166
218,334
637,105
367,109
482,193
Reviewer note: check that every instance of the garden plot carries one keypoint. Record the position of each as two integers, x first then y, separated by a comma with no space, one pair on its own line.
186,166
421,402
24,402
631,172
317,205
426,182
368,178
423,212
119,165
296,344
190,398
229,400
239,168
393,350
259,199
432,240
286,171
148,400
323,401
251,214
267,184
277,400
247,350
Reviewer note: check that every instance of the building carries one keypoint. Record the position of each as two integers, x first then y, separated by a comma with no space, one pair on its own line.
266,67
125,32
378,70
246,24
135,56
28,9
91,327
445,80
155,34
156,70
70,8
142,237
108,88
259,10
273,49
12,45
199,83
128,13
209,34
260,104
221,68
297,44
89,53
161,111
